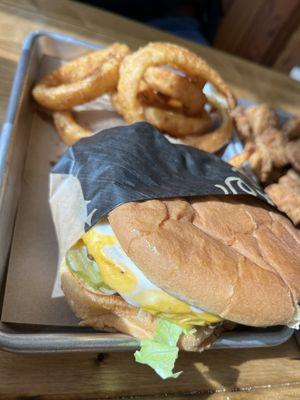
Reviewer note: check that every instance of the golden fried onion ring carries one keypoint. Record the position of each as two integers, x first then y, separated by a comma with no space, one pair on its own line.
115,103
68,129
172,122
177,124
150,97
178,87
135,65
215,140
81,80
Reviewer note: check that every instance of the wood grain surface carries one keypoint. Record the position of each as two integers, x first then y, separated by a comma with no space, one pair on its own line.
290,56
115,375
270,373
260,30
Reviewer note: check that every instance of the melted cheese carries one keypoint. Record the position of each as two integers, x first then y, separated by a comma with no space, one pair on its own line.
159,301
116,275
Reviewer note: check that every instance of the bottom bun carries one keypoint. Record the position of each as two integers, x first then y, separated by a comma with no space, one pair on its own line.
111,313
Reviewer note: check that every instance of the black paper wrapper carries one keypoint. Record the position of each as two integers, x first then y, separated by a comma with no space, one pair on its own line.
136,162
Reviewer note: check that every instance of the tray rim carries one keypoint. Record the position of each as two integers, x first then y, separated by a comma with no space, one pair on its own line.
95,341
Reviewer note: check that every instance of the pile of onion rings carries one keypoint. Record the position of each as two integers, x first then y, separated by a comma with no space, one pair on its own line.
134,68
161,83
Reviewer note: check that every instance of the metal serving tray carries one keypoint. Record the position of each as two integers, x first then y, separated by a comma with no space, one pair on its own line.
14,141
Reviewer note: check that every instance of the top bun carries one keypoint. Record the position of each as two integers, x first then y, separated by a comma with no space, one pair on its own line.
232,256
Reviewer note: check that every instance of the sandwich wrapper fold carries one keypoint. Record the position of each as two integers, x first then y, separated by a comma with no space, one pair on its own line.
132,163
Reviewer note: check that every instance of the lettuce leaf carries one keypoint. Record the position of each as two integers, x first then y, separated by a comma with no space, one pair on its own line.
87,270
161,352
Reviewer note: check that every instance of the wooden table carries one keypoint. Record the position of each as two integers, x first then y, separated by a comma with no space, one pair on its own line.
271,373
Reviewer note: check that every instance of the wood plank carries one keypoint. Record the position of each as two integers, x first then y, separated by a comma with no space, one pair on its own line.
258,30
289,391
290,56
238,20
114,375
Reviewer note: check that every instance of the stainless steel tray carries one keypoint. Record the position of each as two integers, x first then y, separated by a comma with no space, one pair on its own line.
14,141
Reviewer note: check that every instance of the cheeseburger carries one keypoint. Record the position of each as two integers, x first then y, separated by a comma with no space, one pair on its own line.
174,273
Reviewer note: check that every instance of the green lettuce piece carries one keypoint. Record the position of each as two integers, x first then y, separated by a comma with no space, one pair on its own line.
161,352
87,270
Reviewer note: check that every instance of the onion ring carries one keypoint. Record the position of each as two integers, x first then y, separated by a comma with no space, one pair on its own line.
177,124
135,65
174,123
115,102
178,87
150,97
81,80
68,129
215,140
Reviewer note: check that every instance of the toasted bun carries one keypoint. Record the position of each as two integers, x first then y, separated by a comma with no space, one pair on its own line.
232,256
112,313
